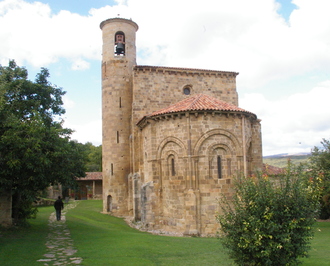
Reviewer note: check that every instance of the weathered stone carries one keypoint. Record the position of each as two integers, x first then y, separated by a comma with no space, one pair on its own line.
59,243
169,170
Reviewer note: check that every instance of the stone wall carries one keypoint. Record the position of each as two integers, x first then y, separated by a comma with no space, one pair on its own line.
116,112
180,160
155,88
170,171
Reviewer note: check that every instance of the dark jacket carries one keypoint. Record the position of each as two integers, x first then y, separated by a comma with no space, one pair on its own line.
58,205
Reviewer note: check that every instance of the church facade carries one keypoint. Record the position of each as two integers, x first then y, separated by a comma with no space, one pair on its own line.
173,138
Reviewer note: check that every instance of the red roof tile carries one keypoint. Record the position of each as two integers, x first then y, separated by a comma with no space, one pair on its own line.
91,176
199,102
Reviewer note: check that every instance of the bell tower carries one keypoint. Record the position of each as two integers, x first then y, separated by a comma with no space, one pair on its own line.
118,60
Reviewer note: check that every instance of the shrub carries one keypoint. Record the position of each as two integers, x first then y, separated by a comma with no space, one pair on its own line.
269,221
320,165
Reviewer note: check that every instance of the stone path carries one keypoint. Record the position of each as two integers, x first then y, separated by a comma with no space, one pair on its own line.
60,249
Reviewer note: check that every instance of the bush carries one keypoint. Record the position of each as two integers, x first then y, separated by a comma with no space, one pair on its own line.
320,165
269,222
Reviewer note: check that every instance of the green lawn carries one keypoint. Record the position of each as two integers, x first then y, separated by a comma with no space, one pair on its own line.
105,240
320,252
26,245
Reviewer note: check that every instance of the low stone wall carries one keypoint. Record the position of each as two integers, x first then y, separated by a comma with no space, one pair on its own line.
44,202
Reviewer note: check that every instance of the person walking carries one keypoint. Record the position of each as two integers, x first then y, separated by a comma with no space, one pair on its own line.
58,205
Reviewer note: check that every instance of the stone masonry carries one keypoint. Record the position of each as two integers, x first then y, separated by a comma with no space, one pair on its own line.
173,138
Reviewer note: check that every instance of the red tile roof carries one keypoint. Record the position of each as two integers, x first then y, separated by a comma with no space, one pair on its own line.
91,176
272,170
199,102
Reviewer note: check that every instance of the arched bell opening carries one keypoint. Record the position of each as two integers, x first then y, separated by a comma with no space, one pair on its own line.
119,43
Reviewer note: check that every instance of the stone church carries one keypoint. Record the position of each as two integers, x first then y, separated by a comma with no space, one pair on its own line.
173,138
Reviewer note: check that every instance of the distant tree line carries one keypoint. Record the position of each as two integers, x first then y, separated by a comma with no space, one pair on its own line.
93,157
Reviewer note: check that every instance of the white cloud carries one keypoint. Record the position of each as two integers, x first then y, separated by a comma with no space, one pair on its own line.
252,39
249,37
31,33
80,64
293,124
67,103
86,132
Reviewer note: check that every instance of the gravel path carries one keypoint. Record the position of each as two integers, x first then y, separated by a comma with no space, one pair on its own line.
60,249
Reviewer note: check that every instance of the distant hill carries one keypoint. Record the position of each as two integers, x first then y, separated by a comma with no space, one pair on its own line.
281,160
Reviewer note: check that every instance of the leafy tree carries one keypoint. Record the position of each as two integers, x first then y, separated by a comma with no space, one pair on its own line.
269,222
94,157
320,166
35,150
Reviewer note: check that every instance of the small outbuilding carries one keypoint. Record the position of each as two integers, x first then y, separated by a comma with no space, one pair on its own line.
89,187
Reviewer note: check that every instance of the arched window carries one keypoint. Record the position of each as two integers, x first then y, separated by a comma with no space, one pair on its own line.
120,43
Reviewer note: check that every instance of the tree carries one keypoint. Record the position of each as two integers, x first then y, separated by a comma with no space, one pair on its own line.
269,222
35,150
94,157
320,166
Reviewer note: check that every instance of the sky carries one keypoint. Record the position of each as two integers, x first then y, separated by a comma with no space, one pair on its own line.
281,50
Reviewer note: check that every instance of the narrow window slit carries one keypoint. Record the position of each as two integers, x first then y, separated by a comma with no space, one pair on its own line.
173,167
219,167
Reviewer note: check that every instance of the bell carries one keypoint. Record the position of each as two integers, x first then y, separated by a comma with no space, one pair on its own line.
120,48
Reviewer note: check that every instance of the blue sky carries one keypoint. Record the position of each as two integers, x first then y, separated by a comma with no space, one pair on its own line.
280,48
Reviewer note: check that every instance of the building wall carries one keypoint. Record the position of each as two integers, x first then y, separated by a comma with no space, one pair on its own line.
89,189
139,178
184,198
155,88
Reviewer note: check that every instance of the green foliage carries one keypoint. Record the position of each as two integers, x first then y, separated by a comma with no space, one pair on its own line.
269,222
320,166
94,157
35,150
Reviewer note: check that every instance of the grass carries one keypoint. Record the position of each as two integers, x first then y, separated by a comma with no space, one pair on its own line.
105,240
319,254
24,246
110,241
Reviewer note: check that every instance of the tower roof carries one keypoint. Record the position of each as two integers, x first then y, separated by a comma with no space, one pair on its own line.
121,20
199,102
